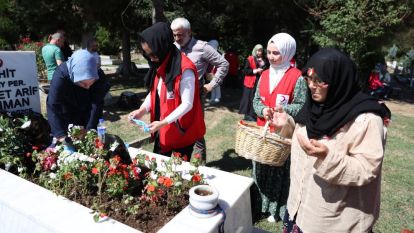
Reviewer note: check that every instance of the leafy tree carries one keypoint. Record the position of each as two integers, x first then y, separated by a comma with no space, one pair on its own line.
8,29
357,27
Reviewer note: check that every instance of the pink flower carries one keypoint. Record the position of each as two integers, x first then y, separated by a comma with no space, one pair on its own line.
95,170
160,180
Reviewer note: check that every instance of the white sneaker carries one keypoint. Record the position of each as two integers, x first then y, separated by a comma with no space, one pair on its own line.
216,100
271,219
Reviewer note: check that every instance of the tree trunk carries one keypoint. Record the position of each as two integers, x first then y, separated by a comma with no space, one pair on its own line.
126,53
158,11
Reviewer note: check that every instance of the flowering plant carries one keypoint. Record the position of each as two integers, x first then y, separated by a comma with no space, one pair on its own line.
26,44
17,143
109,185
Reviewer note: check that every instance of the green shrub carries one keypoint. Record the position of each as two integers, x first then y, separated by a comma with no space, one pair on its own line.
108,43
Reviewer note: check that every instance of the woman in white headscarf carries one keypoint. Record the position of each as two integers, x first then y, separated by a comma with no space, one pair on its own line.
280,85
253,67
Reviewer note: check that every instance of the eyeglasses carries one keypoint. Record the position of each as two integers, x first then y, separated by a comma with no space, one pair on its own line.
315,80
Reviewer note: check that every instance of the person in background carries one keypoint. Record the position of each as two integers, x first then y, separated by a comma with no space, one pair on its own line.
52,54
337,150
177,120
92,47
202,55
216,92
76,95
380,82
232,78
280,85
66,50
254,66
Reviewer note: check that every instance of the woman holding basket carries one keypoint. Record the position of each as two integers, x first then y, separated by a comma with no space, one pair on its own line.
337,150
280,85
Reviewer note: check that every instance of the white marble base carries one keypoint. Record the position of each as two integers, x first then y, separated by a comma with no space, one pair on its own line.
29,208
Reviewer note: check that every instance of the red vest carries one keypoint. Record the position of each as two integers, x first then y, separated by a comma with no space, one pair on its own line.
283,92
374,81
250,80
190,127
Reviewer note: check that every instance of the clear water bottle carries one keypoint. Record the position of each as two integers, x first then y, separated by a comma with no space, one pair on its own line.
101,131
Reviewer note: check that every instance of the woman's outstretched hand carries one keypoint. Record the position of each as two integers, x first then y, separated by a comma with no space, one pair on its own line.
312,147
157,125
279,117
137,114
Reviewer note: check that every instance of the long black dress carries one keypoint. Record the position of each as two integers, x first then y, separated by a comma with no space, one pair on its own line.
246,103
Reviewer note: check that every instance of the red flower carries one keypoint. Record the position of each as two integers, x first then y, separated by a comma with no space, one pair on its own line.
48,162
35,148
168,182
196,178
39,44
126,174
117,158
28,154
67,176
102,215
26,40
151,188
185,158
197,156
177,154
95,170
146,157
153,159
135,171
98,144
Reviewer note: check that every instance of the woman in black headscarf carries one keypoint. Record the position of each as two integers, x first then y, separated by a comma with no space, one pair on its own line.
176,117
337,150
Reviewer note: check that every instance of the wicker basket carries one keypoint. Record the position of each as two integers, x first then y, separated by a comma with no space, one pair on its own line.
252,142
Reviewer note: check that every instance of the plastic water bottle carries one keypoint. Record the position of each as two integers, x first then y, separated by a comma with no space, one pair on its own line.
101,131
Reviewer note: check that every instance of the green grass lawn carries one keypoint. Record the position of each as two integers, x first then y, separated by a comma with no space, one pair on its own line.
397,205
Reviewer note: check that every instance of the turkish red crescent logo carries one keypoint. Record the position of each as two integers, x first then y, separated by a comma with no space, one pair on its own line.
1,63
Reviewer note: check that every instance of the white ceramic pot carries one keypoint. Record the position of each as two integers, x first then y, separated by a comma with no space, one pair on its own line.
203,197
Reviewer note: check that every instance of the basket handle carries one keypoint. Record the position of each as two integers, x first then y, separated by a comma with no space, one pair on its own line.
265,128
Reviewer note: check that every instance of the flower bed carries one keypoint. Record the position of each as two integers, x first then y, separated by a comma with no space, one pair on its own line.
139,192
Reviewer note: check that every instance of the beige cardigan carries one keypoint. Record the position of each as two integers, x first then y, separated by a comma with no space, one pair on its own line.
340,193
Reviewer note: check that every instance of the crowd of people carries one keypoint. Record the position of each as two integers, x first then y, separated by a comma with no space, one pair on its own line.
331,180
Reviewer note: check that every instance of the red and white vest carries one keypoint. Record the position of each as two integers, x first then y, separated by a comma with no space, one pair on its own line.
250,80
282,94
190,127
